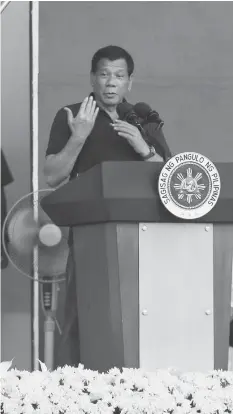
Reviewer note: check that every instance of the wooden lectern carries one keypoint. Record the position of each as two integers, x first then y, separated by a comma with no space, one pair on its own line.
153,290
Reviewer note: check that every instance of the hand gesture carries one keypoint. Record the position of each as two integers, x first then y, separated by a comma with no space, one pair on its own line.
132,134
82,125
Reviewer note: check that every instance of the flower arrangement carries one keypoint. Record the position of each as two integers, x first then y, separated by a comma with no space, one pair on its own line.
70,390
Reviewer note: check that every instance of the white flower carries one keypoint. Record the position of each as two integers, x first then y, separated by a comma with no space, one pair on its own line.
72,390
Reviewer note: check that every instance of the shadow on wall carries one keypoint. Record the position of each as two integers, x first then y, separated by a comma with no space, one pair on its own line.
6,179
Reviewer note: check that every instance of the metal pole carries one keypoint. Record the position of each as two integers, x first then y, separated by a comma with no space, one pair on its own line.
49,330
35,172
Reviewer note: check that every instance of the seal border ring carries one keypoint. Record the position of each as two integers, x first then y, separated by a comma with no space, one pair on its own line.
168,202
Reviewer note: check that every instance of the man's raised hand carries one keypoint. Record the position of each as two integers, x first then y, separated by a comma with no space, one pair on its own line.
82,125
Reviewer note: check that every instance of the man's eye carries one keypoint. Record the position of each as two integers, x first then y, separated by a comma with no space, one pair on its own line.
120,76
103,74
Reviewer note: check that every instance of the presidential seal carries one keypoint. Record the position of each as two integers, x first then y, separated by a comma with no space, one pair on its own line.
189,185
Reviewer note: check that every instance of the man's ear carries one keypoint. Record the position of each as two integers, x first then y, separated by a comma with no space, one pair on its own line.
130,82
92,78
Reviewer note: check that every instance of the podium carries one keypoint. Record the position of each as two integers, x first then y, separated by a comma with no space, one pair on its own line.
153,291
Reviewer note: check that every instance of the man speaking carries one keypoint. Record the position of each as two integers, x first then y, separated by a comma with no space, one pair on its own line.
88,133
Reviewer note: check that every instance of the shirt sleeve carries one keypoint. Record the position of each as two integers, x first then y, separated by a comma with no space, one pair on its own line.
59,133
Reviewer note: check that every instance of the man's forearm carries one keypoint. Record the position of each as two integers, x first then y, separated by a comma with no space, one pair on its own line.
144,150
59,166
155,158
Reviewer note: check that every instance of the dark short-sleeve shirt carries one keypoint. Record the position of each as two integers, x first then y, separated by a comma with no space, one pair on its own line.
103,143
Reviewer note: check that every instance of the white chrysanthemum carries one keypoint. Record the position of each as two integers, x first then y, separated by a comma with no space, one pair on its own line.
186,406
10,405
181,410
157,386
114,371
164,403
185,388
123,403
98,389
76,390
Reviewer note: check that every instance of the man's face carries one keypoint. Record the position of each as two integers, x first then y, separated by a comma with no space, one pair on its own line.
111,81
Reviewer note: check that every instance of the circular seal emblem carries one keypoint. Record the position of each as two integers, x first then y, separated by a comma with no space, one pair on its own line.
189,185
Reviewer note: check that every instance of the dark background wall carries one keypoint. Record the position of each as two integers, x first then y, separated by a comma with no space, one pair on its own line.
183,53
15,140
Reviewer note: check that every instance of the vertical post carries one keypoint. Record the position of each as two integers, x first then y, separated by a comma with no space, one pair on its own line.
34,122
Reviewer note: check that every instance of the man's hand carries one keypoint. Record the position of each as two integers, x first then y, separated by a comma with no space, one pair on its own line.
133,136
82,125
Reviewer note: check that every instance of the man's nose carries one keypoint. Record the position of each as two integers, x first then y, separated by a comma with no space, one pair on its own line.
111,81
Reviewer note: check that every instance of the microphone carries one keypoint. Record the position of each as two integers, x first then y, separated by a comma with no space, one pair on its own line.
157,139
145,112
152,125
126,112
